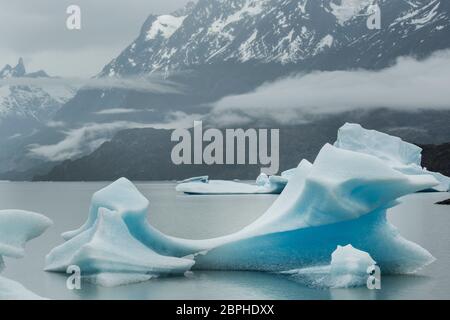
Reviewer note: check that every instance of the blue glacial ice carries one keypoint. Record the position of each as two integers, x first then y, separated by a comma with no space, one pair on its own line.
203,186
398,154
16,228
348,268
340,199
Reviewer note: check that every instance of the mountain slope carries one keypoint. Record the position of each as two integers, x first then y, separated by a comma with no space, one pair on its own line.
216,48
145,154
283,32
20,102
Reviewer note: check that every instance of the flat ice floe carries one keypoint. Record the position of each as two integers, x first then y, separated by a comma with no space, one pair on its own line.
16,228
340,199
398,154
203,186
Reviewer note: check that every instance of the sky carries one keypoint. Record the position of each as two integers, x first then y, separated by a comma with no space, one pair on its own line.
36,30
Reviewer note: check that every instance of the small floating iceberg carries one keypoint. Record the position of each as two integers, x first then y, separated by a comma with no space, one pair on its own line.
342,198
105,250
398,154
348,268
203,186
16,228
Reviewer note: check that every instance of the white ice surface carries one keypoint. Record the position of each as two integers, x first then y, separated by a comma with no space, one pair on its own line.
398,154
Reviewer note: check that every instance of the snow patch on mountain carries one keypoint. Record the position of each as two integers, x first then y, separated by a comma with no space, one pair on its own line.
30,101
165,26
249,9
348,9
325,42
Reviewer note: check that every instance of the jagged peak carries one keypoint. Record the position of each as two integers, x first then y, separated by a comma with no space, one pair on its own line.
19,71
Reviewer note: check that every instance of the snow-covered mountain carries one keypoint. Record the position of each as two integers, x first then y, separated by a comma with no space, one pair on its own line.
23,99
283,32
216,48
226,47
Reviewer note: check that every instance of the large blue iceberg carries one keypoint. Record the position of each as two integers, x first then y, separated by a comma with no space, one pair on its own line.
341,199
16,228
398,154
264,185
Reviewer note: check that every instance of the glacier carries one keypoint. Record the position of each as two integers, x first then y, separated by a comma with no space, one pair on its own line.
398,154
264,184
340,199
16,228
348,268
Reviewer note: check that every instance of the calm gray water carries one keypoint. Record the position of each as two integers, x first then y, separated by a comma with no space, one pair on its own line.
200,217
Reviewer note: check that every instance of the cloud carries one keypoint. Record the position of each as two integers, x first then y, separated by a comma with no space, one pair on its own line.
408,85
143,84
86,139
120,111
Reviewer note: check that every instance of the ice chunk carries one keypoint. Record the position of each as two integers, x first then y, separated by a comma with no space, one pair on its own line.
262,179
108,254
398,154
263,185
12,290
16,228
342,198
103,247
349,268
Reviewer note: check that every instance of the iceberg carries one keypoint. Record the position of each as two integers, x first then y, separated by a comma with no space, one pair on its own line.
16,228
105,250
203,186
398,154
348,268
340,199
13,290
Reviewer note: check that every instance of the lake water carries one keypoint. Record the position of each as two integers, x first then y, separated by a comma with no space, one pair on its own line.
197,217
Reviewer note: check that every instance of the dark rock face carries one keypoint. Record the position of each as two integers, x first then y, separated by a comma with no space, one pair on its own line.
445,202
437,158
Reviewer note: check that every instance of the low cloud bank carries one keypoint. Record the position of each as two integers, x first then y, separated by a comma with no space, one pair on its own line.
141,84
408,85
86,139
